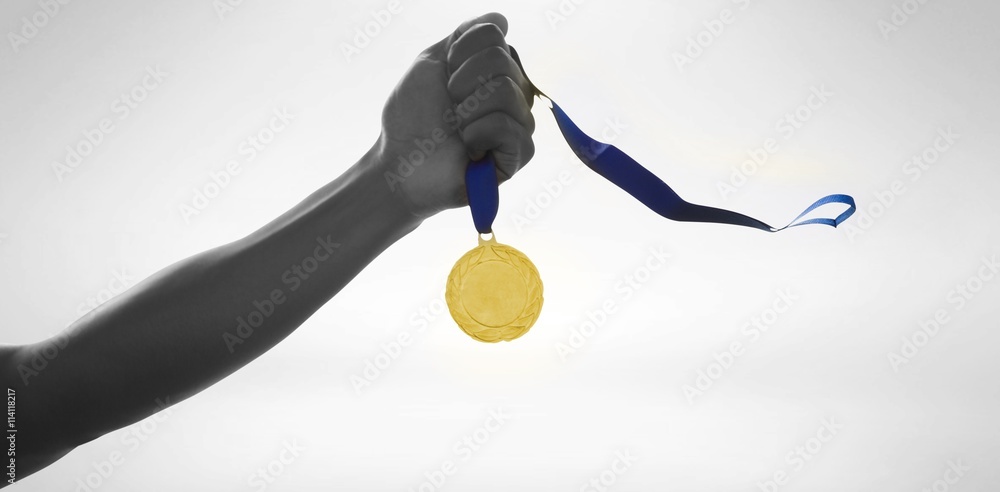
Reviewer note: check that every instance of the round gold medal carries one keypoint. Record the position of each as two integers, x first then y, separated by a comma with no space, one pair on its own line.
494,292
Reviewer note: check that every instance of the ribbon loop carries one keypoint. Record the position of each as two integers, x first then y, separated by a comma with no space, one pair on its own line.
845,199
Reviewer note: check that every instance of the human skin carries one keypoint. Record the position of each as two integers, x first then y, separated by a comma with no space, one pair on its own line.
177,332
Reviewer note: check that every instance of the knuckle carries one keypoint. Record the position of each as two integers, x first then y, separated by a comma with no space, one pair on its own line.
530,123
510,97
527,151
506,89
496,57
488,33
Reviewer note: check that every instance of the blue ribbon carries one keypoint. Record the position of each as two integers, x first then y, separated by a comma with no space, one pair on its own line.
484,192
616,166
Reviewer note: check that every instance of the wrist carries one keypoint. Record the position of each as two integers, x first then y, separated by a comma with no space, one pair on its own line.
378,194
404,179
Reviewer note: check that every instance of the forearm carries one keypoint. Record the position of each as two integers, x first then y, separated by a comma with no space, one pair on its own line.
199,320
203,318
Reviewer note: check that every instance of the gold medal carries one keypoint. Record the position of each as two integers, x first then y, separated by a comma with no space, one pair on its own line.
494,292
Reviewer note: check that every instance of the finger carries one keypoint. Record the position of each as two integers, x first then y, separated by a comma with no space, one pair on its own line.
505,172
440,49
494,18
509,141
478,38
490,63
500,94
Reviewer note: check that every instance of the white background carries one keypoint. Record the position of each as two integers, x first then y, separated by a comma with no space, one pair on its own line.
859,291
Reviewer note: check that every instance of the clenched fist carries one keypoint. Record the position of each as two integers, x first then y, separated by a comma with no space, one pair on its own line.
462,97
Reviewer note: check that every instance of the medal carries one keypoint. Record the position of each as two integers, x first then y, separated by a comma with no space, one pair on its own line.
494,292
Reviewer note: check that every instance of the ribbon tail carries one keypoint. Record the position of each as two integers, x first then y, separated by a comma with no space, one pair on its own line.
619,168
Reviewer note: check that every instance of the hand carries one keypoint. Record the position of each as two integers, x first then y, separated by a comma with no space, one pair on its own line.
462,97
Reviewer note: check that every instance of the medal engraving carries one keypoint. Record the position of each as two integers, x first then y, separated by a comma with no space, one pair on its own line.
494,292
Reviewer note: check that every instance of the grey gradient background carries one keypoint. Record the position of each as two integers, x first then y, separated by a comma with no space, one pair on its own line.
859,291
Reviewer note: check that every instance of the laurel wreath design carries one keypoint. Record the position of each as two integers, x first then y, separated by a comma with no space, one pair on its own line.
533,283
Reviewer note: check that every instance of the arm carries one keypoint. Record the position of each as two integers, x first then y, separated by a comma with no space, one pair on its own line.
194,323
179,331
